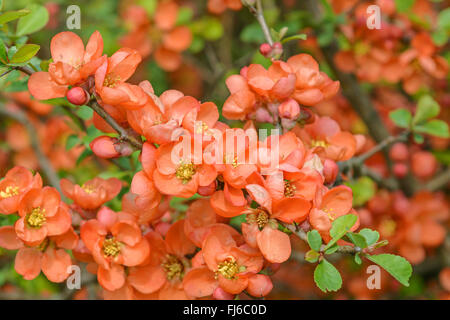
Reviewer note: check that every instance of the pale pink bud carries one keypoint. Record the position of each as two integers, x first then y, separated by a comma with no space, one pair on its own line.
265,49
103,147
330,170
207,190
77,96
289,109
220,294
259,285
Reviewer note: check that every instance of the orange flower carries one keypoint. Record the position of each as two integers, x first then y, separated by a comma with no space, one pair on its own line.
326,139
219,6
228,263
330,205
110,80
48,255
161,278
72,64
16,183
115,240
42,214
93,193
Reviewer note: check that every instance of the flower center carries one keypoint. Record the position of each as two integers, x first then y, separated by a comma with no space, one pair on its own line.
185,172
111,247
111,80
228,268
201,128
387,227
88,188
289,189
330,212
36,218
43,245
231,159
259,217
174,267
9,192
319,143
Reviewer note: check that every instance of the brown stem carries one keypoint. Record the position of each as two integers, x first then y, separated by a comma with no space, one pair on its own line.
124,134
439,181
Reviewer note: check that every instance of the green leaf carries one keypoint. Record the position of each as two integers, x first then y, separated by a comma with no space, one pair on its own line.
84,112
358,258
33,22
418,138
404,5
397,266
312,256
184,16
294,37
72,141
371,236
213,29
363,190
13,15
357,239
252,33
3,53
327,277
434,127
444,19
25,53
401,117
314,240
443,156
340,227
427,108
332,249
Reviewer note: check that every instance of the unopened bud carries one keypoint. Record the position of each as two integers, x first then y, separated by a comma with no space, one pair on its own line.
330,170
259,285
220,294
124,148
103,147
265,49
289,109
77,96
400,169
207,190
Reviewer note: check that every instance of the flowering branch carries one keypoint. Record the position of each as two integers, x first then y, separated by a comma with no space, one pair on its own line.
124,134
259,15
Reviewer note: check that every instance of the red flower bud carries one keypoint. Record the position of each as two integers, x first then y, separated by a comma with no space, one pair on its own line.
399,152
265,49
77,96
400,169
103,147
289,109
330,170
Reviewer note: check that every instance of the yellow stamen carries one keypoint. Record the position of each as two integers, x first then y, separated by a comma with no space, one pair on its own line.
319,143
111,80
289,189
259,217
174,267
36,218
185,172
231,159
88,188
228,268
9,192
201,129
111,247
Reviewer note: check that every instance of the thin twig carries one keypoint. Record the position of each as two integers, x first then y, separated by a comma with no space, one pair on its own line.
439,181
259,15
124,134
44,163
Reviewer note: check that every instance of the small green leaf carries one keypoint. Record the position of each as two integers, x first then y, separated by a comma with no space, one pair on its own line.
72,141
33,22
358,258
3,53
397,266
25,53
84,112
312,256
401,117
427,108
371,236
444,19
404,5
363,189
327,277
13,15
434,127
340,227
294,37
357,239
418,138
184,16
332,249
314,240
